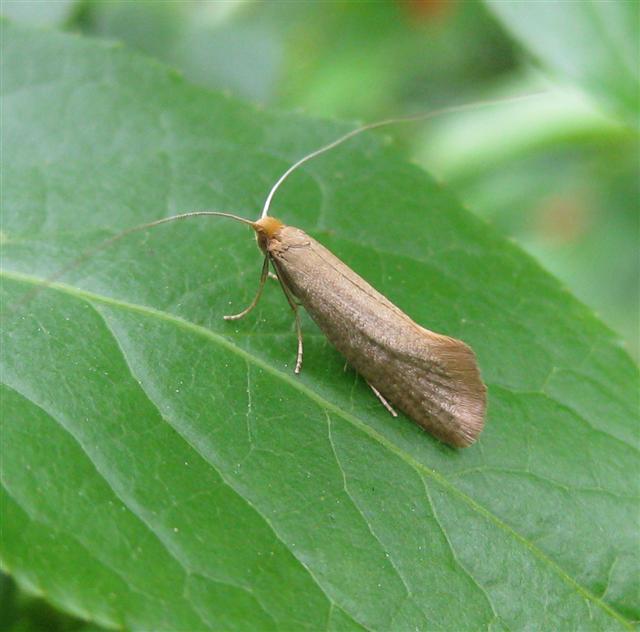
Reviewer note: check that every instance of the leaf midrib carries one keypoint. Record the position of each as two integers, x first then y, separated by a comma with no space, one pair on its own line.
353,420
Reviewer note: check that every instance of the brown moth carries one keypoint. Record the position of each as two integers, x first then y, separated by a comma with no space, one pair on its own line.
432,378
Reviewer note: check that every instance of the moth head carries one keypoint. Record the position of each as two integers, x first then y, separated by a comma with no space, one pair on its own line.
266,229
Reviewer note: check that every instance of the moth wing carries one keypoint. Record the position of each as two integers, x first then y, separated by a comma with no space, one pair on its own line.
453,379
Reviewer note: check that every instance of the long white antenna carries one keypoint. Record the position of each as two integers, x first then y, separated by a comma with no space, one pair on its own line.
402,119
89,252
134,229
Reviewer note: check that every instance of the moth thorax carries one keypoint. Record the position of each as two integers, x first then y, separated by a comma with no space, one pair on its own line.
266,229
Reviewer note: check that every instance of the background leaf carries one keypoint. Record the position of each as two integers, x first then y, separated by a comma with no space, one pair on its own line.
595,44
163,469
36,12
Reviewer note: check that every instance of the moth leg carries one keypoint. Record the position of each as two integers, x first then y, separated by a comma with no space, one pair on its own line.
385,403
299,335
273,276
254,302
295,308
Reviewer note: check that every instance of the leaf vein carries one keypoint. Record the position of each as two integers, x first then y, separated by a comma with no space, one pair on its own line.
454,555
357,508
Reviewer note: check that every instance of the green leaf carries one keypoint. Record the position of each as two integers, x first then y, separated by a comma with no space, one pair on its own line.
36,12
223,45
594,44
163,469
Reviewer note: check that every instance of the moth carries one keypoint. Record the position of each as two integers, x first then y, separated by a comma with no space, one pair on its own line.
432,378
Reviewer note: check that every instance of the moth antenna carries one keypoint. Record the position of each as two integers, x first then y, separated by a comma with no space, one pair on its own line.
90,252
400,119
